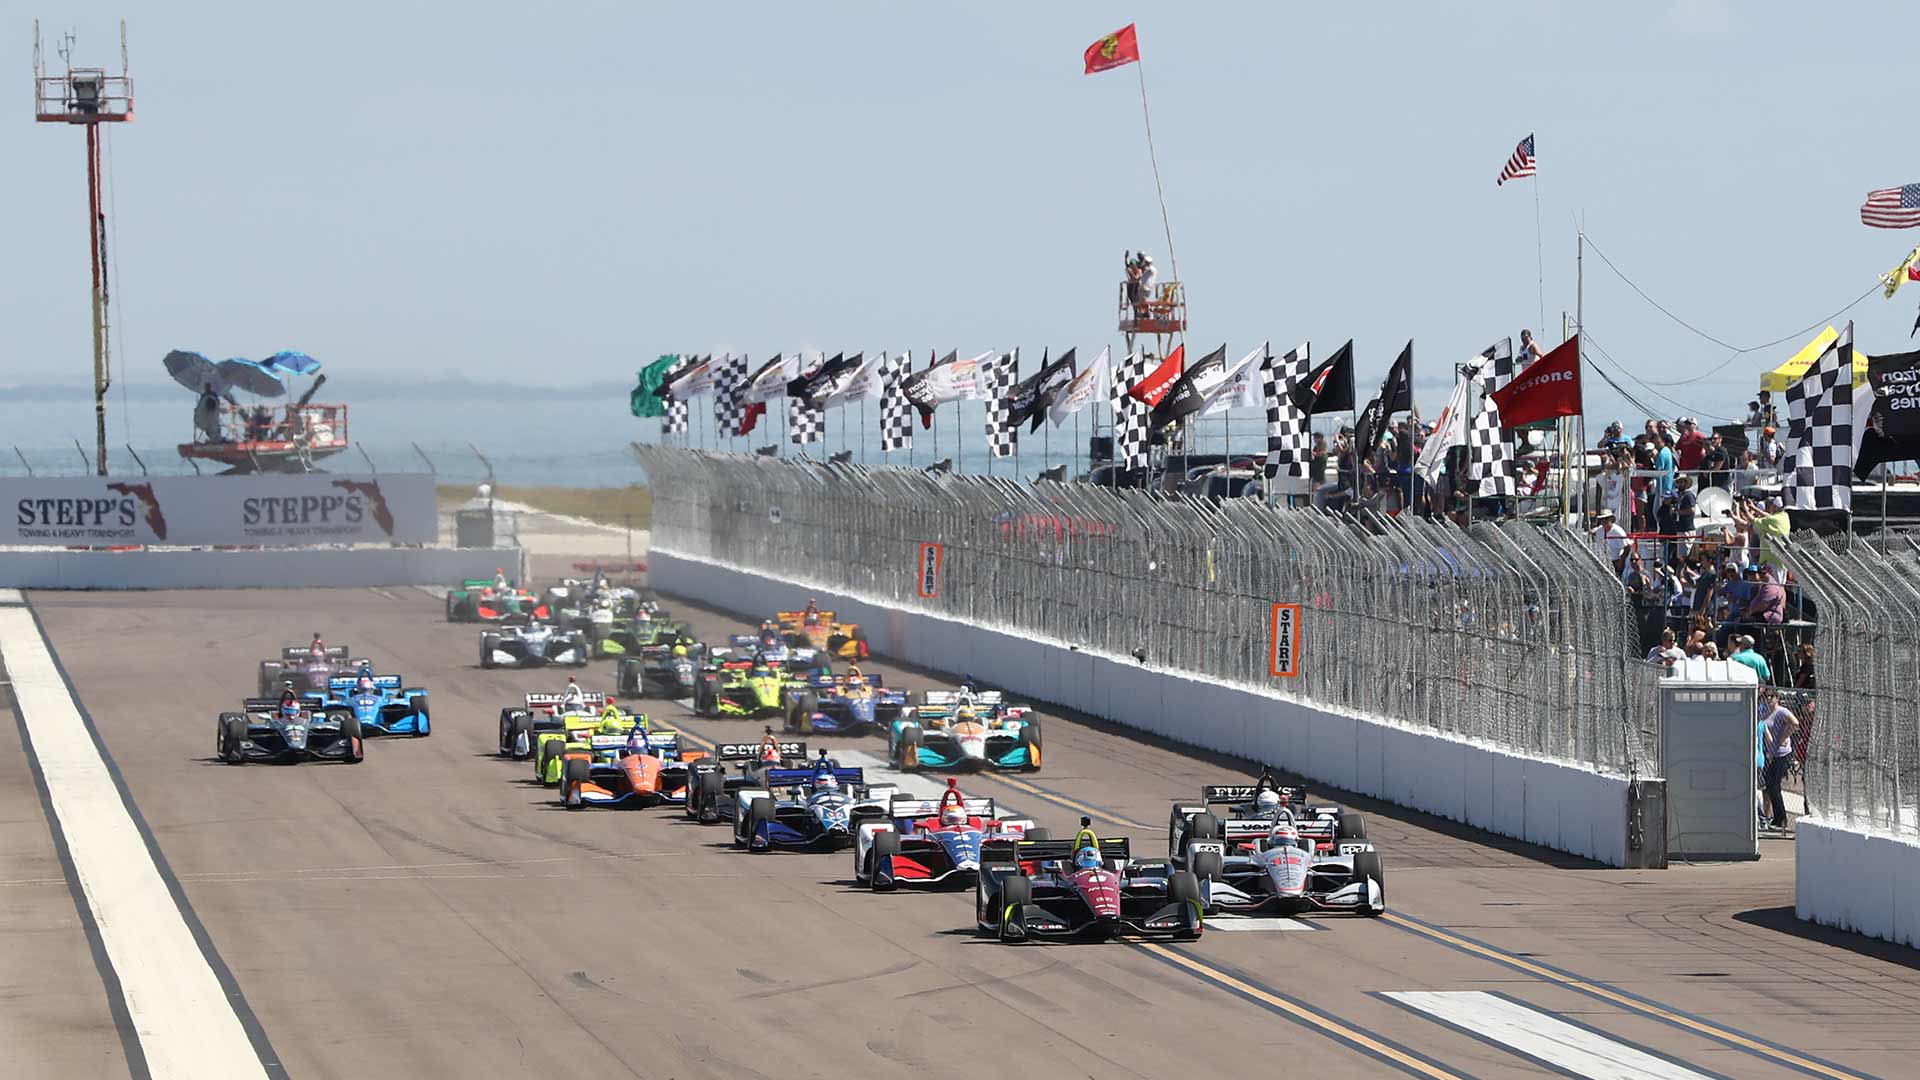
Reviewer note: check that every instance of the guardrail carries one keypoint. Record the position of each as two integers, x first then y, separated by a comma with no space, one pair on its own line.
1511,634
1862,729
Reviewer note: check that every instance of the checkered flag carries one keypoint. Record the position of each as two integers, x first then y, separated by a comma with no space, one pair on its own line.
1130,416
806,422
896,412
1289,432
675,420
1816,472
728,382
1490,446
996,379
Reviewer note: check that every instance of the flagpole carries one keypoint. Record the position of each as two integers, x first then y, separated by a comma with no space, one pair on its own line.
1140,69
1579,346
1539,256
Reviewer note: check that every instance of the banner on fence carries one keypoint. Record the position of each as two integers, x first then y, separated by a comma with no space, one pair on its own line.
230,511
930,556
1284,659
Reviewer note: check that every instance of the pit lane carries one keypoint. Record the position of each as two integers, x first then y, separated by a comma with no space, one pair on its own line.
431,912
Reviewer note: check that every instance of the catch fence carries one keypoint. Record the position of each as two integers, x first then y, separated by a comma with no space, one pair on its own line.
1513,634
1861,726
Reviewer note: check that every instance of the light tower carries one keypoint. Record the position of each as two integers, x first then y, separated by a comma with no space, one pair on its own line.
88,97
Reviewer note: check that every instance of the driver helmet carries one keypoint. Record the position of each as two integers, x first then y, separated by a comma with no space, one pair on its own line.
953,813
365,684
824,781
769,748
1283,832
1267,803
679,650
965,714
289,705
318,648
1087,858
573,693
855,680
762,671
610,721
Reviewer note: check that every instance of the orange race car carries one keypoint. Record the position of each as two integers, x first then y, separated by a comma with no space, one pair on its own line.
816,629
638,768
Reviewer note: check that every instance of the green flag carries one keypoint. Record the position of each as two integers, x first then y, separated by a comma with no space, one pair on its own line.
643,401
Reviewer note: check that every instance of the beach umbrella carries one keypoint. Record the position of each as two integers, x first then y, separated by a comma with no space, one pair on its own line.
252,377
194,371
294,361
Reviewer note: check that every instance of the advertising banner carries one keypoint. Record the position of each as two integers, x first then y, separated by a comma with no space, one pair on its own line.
289,510
930,558
1284,659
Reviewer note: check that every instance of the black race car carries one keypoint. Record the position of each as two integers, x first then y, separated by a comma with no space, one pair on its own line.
284,731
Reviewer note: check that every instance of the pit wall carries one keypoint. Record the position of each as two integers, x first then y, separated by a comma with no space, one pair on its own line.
277,568
1868,883
1560,806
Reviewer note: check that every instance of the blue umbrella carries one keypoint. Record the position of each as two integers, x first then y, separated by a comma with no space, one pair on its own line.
293,360
194,371
252,377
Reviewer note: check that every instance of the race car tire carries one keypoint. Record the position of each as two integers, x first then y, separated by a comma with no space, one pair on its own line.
520,723
453,608
1352,827
708,787
760,812
906,753
703,698
350,732
549,750
581,655
1205,827
424,725
1015,891
1038,834
233,732
1031,733
1207,864
885,843
1184,888
800,717
1367,864
576,772
487,642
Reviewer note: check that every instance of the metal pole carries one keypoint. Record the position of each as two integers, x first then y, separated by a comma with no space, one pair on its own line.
425,458
1579,349
78,449
28,465
136,460
94,224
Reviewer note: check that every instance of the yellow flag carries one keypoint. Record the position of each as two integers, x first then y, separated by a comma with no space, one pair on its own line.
1893,280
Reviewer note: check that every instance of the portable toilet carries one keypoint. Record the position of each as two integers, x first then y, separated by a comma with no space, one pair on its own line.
1707,717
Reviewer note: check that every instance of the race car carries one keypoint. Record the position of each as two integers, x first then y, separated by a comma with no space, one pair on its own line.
1088,888
965,730
491,600
532,645
816,629
643,768
668,671
308,669
578,597
817,808
576,734
710,790
285,730
380,703
521,727
1270,852
850,704
741,687
627,637
932,841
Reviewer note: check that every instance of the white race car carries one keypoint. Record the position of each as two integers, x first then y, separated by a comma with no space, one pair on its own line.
1272,853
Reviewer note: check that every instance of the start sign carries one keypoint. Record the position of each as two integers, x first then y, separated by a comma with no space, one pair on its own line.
1284,660
930,556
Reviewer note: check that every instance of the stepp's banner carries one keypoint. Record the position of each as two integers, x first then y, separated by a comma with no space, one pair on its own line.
238,511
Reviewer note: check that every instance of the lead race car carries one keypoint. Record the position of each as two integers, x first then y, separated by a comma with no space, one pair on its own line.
642,768
544,713
965,730
381,704
850,704
932,841
533,645
1089,888
308,669
1272,853
817,808
286,730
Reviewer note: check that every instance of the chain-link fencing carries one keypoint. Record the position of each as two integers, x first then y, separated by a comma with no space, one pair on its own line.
1513,634
1860,725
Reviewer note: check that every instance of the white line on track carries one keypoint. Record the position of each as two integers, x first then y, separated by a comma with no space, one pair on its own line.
1541,1036
186,1025
1253,924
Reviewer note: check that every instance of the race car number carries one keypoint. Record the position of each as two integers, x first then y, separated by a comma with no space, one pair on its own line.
1352,849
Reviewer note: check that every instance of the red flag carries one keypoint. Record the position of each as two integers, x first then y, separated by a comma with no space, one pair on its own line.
1548,389
1161,379
751,417
1116,49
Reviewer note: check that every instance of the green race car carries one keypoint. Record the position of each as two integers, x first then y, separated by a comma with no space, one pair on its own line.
628,637
745,688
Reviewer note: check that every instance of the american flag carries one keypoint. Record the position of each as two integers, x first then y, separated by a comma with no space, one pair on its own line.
1520,164
1892,208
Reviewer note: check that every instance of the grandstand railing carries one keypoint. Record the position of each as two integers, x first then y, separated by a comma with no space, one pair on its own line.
1514,634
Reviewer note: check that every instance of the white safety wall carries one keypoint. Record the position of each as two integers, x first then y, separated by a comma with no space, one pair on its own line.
237,511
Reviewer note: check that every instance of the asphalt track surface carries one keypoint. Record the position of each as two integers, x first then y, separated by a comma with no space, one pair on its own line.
433,913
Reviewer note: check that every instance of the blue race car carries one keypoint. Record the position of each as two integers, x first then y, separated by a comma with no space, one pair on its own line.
965,731
850,704
817,808
382,706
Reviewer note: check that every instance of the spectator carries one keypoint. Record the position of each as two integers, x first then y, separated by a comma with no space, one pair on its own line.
1770,528
1754,416
1609,539
1691,446
1715,462
1767,413
1613,438
1779,727
1529,351
1709,651
1768,457
1803,667
1664,462
1732,595
1667,652
1743,654
1642,490
1615,491
1769,602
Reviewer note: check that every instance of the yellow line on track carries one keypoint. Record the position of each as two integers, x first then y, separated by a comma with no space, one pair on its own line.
1061,800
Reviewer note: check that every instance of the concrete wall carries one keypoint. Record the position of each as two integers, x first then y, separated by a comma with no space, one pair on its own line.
1858,881
1558,806
264,568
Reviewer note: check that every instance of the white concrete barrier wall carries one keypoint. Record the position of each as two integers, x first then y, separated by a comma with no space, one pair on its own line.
1564,807
280,568
1852,880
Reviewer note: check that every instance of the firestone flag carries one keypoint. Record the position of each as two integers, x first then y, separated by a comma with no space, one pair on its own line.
1548,389
1033,396
1160,380
1192,389
1329,387
1396,395
1117,49
1083,388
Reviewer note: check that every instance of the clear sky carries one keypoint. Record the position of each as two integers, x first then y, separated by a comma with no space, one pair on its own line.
556,193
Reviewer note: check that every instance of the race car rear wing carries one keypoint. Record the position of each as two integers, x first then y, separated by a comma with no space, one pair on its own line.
348,682
908,806
1214,794
594,698
479,583
301,652
1017,851
751,751
802,777
800,617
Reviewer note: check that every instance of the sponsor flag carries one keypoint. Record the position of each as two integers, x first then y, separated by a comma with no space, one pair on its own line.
1396,395
1241,387
1449,431
691,381
1033,395
952,379
1892,208
770,381
1548,388
1521,164
1081,389
1161,379
1192,389
1902,274
1117,49
1329,387
815,386
644,401
862,385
